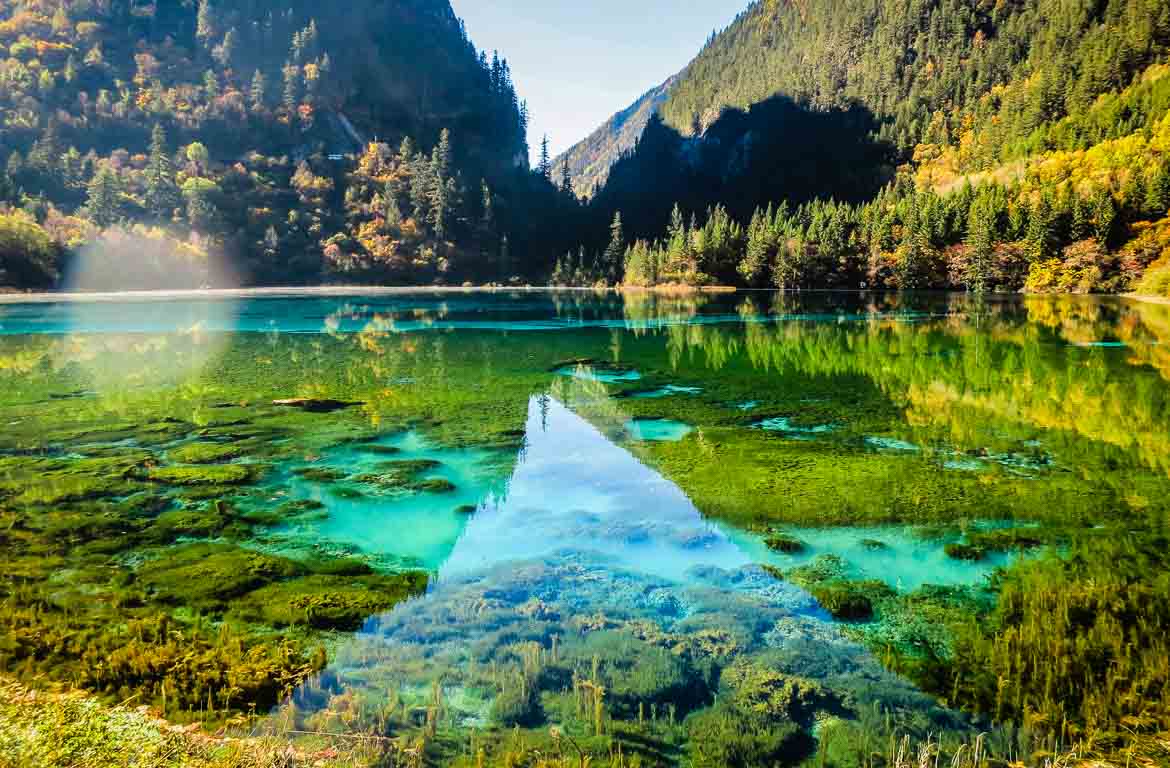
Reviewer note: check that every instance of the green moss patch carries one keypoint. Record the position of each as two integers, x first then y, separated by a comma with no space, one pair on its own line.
209,575
204,453
226,474
320,474
851,600
783,542
339,602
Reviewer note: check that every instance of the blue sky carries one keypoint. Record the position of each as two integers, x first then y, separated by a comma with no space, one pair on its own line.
579,62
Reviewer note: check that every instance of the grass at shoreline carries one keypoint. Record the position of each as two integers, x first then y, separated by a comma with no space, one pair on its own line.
56,728
59,729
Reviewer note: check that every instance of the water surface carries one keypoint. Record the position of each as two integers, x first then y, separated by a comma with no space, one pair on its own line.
633,514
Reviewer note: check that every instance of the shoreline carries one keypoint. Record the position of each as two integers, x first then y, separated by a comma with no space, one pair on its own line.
329,291
49,297
1146,299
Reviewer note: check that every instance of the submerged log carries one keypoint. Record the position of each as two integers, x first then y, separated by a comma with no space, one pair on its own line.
316,405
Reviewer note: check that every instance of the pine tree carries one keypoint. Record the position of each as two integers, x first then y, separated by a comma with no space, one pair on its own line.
544,168
755,261
486,230
103,201
1080,223
421,184
406,151
505,259
440,209
292,88
916,251
487,219
441,156
61,24
211,85
161,192
201,209
1158,191
259,90
45,154
225,52
1039,240
73,169
392,212
205,23
981,245
616,250
441,192
1104,216
567,180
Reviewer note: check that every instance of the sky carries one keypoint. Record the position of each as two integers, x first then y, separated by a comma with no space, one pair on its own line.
579,61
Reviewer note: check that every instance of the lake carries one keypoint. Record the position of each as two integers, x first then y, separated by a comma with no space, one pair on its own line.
717,529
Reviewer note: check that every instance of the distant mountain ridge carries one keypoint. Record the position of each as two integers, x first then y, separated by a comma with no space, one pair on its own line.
591,158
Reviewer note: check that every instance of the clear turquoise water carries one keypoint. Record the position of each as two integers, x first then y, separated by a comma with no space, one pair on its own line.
593,449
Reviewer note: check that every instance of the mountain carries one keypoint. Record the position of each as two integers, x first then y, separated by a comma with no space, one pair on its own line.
911,143
298,141
591,158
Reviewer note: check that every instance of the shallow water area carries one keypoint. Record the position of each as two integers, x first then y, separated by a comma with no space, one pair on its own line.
369,505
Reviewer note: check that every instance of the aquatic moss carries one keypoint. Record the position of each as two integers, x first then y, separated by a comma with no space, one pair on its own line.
205,520
208,576
211,475
432,485
320,474
336,602
962,551
341,566
517,705
1016,538
783,542
204,453
843,603
406,475
289,510
821,568
65,489
1060,649
764,691
378,450
727,737
637,673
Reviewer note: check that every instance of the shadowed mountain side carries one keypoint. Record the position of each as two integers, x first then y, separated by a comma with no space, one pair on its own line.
777,150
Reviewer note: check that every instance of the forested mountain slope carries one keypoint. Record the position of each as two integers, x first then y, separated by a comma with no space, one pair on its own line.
591,158
247,128
1011,144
